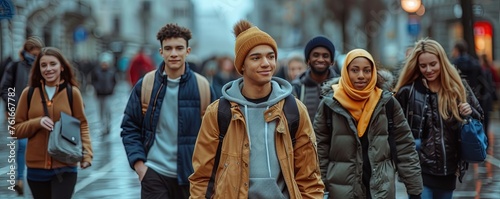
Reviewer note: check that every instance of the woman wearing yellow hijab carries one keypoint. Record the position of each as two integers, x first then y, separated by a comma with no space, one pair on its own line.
352,131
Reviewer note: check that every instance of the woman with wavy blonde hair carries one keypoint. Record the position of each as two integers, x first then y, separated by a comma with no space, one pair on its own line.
435,101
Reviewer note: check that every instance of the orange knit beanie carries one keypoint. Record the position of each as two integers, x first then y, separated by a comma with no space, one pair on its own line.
247,37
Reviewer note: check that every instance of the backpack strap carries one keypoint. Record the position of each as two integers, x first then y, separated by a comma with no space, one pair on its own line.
223,120
328,113
30,95
69,92
392,142
292,116
204,90
302,92
146,90
44,103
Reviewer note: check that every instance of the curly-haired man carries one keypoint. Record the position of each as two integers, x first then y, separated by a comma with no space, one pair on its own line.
162,119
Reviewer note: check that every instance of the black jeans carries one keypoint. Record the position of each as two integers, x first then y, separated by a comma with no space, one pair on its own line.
60,186
156,186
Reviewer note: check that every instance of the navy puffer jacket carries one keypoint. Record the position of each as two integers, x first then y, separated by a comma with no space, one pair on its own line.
138,132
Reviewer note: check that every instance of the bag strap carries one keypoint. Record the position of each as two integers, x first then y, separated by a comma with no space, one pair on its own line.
204,90
302,92
30,95
69,92
223,120
44,103
292,116
147,89
328,114
389,109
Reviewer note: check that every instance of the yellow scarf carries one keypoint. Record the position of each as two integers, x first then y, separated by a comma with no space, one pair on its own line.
360,103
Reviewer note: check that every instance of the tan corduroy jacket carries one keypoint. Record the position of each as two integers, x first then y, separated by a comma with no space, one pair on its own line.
28,126
299,163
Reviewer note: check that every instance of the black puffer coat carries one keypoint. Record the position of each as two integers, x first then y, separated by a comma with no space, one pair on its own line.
440,148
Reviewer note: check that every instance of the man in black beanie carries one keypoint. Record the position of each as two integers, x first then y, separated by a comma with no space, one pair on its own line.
319,53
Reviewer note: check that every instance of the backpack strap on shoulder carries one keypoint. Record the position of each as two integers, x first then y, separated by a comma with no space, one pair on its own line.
146,90
223,120
69,92
392,142
30,95
292,116
204,90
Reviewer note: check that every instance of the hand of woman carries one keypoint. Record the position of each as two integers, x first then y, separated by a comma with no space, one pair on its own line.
464,109
47,123
84,165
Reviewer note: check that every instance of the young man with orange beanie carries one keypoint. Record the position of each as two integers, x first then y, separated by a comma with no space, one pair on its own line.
257,158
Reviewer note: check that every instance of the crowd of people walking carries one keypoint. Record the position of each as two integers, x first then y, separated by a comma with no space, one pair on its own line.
254,129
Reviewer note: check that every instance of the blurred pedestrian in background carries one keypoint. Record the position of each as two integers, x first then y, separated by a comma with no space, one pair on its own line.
139,66
16,77
435,101
470,69
320,58
3,66
159,136
50,76
104,82
295,66
490,68
356,157
491,75
224,74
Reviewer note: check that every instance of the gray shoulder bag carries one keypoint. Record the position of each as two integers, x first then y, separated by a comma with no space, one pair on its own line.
65,143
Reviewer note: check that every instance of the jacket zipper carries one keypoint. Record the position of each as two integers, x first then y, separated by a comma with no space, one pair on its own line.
442,145
152,114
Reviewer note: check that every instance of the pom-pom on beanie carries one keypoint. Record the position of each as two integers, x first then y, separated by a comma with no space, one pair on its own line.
247,37
316,42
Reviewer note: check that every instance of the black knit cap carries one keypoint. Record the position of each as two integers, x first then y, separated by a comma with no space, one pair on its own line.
317,42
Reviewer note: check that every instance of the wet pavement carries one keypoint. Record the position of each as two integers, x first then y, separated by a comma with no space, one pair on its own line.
111,177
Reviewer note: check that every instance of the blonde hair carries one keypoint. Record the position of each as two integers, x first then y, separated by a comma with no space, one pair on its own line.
452,88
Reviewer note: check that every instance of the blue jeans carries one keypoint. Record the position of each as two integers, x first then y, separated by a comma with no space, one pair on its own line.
430,193
20,157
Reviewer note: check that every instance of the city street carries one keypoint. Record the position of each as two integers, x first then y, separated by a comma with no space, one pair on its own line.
111,177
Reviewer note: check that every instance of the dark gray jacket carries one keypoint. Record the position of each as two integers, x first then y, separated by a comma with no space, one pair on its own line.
341,155
15,78
308,91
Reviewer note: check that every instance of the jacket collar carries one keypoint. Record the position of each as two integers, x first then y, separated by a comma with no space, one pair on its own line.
163,78
306,79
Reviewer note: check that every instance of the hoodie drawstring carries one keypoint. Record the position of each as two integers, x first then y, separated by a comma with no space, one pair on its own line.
267,148
266,139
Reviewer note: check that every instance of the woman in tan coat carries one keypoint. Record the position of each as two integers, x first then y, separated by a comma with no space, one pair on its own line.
50,77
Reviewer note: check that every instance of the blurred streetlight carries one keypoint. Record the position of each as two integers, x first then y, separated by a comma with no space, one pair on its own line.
410,6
